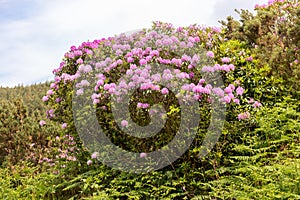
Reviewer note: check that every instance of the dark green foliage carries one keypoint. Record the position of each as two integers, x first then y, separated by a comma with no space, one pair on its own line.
273,32
265,163
21,137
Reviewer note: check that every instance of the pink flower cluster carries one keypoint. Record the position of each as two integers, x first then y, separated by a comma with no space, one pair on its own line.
255,104
217,67
135,58
66,151
93,156
143,105
245,115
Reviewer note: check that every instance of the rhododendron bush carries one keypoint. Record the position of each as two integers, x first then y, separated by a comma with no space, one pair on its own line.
144,78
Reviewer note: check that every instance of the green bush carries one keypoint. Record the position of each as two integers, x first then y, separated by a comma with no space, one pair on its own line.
273,33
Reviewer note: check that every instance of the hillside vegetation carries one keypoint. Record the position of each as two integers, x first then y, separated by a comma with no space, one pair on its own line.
256,156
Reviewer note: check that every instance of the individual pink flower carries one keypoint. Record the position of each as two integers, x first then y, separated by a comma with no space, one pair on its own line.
245,115
228,90
42,123
197,89
130,59
225,60
143,61
139,105
165,91
237,101
251,100
94,155
195,58
257,104
191,75
85,68
84,83
96,101
57,100
227,99
201,81
155,87
73,158
64,125
240,91
237,82
207,69
50,113
50,92
124,123
79,92
210,54
143,155
79,61
231,67
53,85
249,58
89,162
145,105
45,98
177,62
197,39
154,53
231,86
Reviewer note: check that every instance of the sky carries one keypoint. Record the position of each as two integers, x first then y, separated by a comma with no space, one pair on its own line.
35,34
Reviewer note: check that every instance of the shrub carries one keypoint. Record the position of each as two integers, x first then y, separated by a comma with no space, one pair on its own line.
273,32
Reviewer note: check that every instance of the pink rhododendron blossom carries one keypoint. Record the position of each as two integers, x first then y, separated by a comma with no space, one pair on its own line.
237,101
257,104
228,90
165,91
45,98
130,59
210,54
143,155
96,101
42,123
53,86
143,61
240,91
225,60
94,155
50,113
79,61
79,92
249,58
57,100
227,99
50,92
145,105
85,68
251,100
124,123
89,162
64,125
245,115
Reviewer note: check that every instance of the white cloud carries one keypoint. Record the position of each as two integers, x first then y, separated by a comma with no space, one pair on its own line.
31,47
